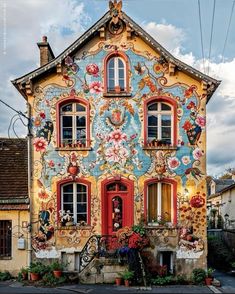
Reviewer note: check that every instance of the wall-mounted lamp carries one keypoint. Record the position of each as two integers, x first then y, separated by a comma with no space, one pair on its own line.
184,197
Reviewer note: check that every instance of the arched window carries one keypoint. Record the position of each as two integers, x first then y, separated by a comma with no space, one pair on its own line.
73,124
74,201
160,201
160,122
116,73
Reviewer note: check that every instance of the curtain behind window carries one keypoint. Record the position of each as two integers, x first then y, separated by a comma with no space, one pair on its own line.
152,202
166,202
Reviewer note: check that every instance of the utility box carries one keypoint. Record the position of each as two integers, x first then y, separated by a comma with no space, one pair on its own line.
21,243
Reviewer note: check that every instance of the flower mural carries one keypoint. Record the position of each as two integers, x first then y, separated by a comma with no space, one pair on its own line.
40,144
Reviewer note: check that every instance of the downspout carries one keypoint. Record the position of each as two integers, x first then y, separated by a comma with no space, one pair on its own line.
29,135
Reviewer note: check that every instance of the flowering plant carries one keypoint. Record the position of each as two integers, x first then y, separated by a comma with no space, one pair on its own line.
65,216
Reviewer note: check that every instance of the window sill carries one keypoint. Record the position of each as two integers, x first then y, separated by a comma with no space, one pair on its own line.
5,257
86,227
159,147
73,148
121,94
161,227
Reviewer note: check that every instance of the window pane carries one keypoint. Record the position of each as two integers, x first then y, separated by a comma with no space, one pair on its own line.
166,202
166,120
67,107
111,85
166,133
165,107
81,121
121,73
68,197
111,73
67,121
80,107
81,198
152,120
81,207
68,188
81,188
152,202
82,217
152,133
111,187
111,63
5,238
122,84
120,63
122,187
153,106
81,135
67,133
68,206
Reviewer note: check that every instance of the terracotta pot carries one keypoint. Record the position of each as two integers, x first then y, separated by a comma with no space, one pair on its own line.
24,276
117,89
127,283
118,281
57,273
34,277
208,281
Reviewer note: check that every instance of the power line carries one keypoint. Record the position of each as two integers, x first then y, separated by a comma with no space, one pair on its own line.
202,47
212,29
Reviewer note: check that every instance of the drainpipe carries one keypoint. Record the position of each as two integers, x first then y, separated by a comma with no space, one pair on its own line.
29,136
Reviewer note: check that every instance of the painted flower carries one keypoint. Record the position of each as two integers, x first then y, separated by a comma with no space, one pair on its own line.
116,154
191,105
200,121
95,87
157,68
173,162
37,122
187,125
186,160
68,61
42,115
180,112
116,137
40,144
42,194
92,69
51,163
197,153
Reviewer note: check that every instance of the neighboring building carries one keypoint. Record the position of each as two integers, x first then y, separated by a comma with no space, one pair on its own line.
14,204
119,135
221,203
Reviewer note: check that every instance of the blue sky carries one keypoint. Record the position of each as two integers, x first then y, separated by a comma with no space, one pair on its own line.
173,23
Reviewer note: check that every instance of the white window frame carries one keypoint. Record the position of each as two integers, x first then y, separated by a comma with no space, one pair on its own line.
171,261
74,200
74,115
159,200
116,71
158,113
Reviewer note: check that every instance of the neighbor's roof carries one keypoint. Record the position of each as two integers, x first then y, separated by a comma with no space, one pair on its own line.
221,184
13,174
82,40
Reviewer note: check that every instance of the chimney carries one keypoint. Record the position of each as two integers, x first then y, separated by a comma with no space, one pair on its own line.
46,53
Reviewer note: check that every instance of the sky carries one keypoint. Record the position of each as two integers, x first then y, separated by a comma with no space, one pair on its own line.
173,23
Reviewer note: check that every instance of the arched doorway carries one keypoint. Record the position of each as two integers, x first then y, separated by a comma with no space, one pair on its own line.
117,205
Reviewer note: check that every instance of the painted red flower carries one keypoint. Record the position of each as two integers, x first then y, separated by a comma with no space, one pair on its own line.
95,87
92,69
187,126
51,163
40,144
42,115
191,105
117,137
43,194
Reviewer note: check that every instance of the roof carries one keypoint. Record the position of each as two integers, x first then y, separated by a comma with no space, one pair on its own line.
13,172
221,184
82,40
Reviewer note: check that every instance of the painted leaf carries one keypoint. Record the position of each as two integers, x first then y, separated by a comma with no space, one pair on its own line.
141,84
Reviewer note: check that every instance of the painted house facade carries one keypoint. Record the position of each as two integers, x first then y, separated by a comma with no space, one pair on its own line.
119,137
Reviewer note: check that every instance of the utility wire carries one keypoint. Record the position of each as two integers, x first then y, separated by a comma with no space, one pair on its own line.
211,37
227,34
200,23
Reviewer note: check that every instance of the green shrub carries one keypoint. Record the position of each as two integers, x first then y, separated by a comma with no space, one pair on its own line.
4,276
39,268
181,280
49,280
57,266
162,280
198,276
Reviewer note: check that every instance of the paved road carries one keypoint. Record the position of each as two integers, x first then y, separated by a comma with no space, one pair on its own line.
227,282
15,287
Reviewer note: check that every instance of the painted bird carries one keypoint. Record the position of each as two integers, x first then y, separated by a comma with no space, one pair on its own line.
195,172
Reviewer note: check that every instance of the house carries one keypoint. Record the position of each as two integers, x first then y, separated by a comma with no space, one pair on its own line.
14,204
119,137
221,206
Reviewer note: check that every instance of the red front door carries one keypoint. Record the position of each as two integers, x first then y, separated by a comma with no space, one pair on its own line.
117,206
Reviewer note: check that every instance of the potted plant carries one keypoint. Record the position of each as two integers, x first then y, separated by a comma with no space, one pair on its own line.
198,276
127,276
118,279
23,274
36,270
57,269
209,276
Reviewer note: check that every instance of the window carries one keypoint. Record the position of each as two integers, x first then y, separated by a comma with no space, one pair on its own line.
116,74
159,202
73,124
5,239
166,259
74,198
160,122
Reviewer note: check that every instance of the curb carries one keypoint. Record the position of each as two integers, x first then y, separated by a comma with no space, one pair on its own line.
214,289
74,290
